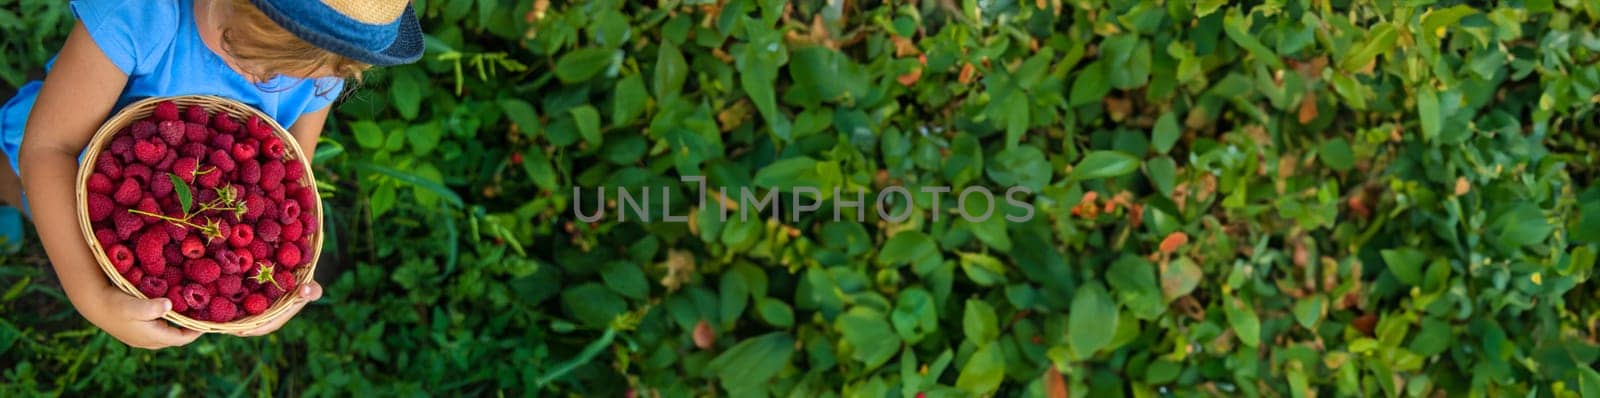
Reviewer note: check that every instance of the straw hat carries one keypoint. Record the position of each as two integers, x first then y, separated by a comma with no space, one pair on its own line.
377,32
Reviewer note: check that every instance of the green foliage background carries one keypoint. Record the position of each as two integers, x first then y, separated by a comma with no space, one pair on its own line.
1375,198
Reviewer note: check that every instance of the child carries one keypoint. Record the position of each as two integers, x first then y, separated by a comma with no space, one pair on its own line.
288,58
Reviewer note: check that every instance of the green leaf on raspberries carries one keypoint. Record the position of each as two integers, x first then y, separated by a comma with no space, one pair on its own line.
1165,133
588,120
523,114
368,134
185,198
1405,264
751,363
582,64
1242,316
984,370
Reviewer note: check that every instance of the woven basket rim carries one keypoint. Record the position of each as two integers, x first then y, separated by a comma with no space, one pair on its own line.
214,104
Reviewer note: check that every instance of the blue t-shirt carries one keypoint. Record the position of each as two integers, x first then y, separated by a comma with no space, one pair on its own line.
157,44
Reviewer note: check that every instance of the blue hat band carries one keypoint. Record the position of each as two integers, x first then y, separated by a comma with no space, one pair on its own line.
314,16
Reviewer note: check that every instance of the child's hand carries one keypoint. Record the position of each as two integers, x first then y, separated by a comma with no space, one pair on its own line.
311,291
134,321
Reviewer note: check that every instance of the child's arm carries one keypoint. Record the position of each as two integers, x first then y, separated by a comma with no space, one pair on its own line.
76,97
306,130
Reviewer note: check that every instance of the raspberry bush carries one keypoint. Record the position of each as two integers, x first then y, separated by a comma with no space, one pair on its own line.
1280,198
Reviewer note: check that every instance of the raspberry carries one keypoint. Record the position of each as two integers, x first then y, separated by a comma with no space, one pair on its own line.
246,259
161,187
166,110
196,114
276,195
129,192
257,128
153,287
250,172
135,276
203,270
308,223
261,250
121,258
211,179
149,151
196,296
175,232
195,150
100,207
221,311
126,224
244,151
166,162
268,231
293,173
108,164
149,249
137,171
141,130
273,148
192,248
148,205
289,211
292,231
205,196
173,253
254,205
225,124
229,284
271,175
223,142
106,237
255,304
285,280
185,168
175,293
222,160
100,183
242,236
305,251
307,198
227,261
172,132
196,133
289,256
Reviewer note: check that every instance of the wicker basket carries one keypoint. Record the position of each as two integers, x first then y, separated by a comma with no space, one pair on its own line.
216,105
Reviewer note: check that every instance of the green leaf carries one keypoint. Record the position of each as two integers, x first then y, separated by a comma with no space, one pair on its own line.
629,100
1308,311
1134,280
1588,382
1405,264
1428,112
438,189
1335,152
915,315
593,304
735,293
907,247
1166,132
1380,40
983,372
368,134
1242,316
751,363
582,64
1104,164
1180,278
978,323
983,269
626,279
523,115
407,92
1237,29
588,120
1163,173
775,312
537,165
1091,319
1091,85
671,71
1443,18
1023,166
181,189
870,336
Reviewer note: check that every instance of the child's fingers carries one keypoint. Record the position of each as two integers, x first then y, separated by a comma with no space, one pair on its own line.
168,336
145,309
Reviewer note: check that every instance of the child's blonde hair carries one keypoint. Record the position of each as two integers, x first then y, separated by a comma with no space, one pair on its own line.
268,50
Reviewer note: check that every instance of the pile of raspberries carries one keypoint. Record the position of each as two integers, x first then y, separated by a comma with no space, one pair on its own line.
208,211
